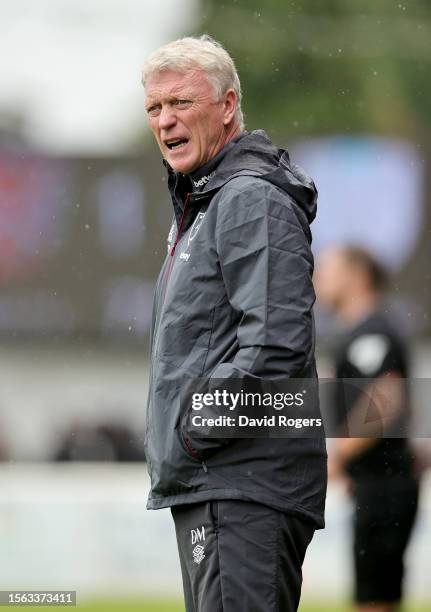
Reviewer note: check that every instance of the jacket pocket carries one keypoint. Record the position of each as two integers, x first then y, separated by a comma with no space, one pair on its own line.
173,469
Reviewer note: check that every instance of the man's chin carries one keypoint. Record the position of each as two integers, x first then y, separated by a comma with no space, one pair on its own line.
185,166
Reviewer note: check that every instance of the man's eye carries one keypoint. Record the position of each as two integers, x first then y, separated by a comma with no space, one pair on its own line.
153,110
183,103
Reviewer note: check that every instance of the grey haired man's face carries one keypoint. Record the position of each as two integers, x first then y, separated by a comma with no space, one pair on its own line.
189,124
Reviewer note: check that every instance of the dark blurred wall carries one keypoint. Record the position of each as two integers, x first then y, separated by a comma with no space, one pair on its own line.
81,242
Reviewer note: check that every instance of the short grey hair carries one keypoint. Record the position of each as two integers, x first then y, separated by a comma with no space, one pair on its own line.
198,52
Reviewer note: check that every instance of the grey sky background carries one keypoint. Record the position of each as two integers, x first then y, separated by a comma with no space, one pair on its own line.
70,69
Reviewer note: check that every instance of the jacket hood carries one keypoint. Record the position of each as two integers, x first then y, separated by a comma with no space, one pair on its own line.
253,154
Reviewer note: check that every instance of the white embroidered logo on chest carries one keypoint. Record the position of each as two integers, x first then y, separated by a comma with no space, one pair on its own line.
195,227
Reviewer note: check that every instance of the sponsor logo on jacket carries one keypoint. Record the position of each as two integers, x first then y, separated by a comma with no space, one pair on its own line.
203,180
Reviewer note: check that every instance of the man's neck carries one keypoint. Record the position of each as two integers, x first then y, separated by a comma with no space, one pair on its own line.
231,132
201,175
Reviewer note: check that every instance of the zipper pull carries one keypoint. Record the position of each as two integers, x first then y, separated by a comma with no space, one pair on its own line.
204,465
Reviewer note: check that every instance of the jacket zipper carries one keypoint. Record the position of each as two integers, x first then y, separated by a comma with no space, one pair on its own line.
174,246
194,454
168,273
178,236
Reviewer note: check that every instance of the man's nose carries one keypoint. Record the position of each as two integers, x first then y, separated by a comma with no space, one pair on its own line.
167,117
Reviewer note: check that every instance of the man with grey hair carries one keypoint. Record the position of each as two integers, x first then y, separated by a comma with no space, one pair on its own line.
234,302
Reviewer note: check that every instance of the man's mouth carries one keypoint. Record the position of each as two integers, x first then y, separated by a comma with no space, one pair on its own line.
176,143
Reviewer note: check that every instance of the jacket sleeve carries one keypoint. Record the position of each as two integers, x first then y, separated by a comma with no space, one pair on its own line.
267,267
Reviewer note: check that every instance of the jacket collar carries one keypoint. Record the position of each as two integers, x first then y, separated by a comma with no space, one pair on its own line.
202,179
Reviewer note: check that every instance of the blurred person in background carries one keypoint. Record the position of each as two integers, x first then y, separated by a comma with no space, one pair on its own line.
379,470
233,301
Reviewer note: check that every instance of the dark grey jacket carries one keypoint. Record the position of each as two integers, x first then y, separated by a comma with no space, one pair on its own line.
234,298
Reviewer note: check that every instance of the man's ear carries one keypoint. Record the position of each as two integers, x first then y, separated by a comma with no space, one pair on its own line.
230,104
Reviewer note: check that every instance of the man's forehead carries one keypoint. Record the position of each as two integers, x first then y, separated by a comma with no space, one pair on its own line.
170,83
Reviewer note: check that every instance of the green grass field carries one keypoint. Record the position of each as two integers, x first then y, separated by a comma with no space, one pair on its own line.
157,606
178,607
175,606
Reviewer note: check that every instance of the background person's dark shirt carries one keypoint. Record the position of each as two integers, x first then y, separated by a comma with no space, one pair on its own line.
370,350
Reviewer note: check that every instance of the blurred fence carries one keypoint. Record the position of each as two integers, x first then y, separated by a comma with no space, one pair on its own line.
48,393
